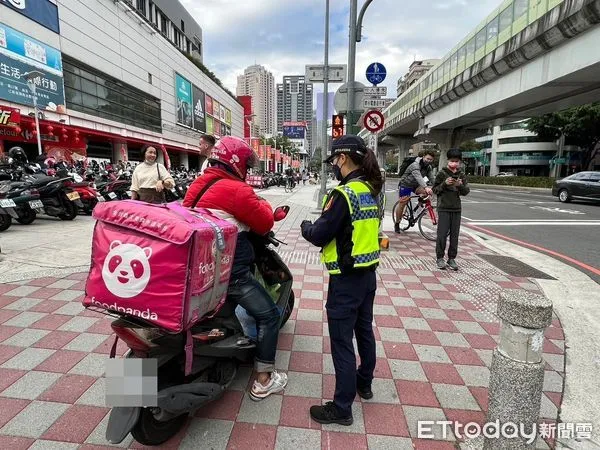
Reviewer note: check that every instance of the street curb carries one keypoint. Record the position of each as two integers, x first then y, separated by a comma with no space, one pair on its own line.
576,302
511,188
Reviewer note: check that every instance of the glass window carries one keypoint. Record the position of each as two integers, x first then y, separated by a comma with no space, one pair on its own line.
461,54
480,39
520,8
595,177
453,62
110,98
506,18
492,29
471,47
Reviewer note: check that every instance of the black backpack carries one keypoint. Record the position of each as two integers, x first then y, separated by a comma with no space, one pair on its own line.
407,162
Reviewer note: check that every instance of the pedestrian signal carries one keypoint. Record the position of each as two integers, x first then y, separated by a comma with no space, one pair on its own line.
338,126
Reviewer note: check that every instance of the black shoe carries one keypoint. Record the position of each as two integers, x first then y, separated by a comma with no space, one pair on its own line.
397,228
364,392
452,264
328,413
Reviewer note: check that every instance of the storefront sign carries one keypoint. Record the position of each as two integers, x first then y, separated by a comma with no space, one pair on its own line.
9,117
183,94
216,109
209,105
19,46
228,117
43,12
222,113
199,109
13,87
209,125
217,128
224,129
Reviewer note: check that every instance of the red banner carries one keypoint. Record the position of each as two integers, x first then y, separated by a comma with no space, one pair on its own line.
255,144
10,117
262,149
268,151
209,105
278,155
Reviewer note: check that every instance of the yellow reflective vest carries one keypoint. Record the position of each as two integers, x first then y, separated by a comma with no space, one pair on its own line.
365,216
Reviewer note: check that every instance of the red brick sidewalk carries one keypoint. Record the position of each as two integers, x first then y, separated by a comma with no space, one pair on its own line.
435,334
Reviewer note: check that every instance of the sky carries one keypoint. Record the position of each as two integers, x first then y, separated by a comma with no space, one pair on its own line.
286,35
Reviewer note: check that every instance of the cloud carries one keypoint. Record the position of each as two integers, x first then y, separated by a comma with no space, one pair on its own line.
284,36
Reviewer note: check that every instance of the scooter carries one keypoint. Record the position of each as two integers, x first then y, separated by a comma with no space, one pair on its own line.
20,201
219,347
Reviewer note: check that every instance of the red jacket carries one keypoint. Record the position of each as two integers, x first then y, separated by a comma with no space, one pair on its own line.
233,196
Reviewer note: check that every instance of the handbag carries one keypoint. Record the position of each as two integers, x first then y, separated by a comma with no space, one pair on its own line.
163,196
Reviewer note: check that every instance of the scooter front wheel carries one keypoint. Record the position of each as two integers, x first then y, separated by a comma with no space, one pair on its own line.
149,431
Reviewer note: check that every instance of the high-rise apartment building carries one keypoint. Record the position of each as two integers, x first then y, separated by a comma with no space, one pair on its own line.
259,83
295,103
416,70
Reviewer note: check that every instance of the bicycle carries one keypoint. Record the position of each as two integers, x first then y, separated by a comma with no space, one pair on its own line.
423,214
290,184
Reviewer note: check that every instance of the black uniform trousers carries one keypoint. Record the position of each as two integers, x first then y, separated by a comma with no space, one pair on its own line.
448,224
350,311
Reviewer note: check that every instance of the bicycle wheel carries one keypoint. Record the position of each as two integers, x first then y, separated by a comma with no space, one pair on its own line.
428,224
405,220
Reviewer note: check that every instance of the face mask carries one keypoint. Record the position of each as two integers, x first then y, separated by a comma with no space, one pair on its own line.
453,166
337,171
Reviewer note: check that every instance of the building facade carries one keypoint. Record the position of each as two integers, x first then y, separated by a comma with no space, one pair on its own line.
295,104
112,77
416,70
512,148
259,83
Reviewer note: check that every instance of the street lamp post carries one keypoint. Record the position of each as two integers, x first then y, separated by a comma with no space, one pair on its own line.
31,77
354,37
324,145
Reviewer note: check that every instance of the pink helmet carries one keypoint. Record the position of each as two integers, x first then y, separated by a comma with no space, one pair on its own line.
236,154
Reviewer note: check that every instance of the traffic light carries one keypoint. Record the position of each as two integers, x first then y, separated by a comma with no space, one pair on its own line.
338,126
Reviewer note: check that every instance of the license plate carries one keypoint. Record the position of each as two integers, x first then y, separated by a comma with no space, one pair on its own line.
36,204
129,194
173,191
112,195
73,196
7,203
100,198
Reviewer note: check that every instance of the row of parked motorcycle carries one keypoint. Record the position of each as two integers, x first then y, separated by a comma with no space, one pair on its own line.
62,190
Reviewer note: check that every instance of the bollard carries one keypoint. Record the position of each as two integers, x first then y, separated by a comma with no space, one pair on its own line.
517,372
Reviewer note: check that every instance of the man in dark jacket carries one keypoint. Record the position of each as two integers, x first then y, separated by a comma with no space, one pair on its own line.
450,184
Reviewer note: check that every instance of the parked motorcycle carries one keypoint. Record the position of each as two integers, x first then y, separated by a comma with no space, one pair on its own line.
20,202
58,198
216,356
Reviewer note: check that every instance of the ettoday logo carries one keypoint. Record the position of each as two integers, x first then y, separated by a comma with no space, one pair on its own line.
20,4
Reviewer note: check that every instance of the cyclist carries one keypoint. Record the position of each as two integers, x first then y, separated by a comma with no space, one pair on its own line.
289,178
417,178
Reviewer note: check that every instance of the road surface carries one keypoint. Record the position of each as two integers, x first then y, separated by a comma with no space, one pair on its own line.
567,231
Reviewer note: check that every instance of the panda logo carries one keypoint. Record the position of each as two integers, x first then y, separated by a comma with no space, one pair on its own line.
126,271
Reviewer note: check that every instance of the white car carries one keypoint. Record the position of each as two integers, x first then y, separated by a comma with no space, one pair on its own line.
506,174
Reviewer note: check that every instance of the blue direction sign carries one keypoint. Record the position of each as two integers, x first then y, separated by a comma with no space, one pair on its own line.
376,73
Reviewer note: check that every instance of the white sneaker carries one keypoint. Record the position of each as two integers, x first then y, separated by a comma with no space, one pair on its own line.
277,383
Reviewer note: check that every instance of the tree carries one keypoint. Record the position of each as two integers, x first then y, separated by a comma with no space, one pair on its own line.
315,161
470,146
391,162
580,126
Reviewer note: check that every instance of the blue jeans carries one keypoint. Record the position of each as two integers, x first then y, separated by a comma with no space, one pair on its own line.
252,296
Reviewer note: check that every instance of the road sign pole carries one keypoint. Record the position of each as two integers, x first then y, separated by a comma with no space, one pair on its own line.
351,65
325,143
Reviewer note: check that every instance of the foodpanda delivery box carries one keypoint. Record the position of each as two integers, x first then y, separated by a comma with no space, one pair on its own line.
165,264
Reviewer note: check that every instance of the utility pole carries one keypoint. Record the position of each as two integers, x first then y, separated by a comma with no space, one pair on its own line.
351,66
325,143
355,36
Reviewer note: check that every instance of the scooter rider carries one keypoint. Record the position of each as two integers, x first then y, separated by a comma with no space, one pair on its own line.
348,232
222,190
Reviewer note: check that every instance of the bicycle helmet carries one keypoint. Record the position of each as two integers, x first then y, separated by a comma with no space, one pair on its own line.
18,155
236,154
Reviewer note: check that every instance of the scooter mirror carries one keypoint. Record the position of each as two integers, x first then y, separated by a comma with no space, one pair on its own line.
281,212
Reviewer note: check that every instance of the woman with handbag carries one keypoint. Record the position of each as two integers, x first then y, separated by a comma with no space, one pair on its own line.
150,178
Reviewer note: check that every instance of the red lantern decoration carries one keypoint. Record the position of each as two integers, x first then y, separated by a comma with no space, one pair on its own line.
77,140
63,130
76,133
50,128
18,130
32,125
65,137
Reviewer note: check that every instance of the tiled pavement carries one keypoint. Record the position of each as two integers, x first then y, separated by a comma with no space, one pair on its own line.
435,335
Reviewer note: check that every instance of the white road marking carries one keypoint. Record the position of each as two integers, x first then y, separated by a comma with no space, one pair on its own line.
558,210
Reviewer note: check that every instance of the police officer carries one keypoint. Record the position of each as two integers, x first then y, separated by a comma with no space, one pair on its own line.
348,232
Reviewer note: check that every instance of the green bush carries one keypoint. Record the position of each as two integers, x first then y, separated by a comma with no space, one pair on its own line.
538,182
